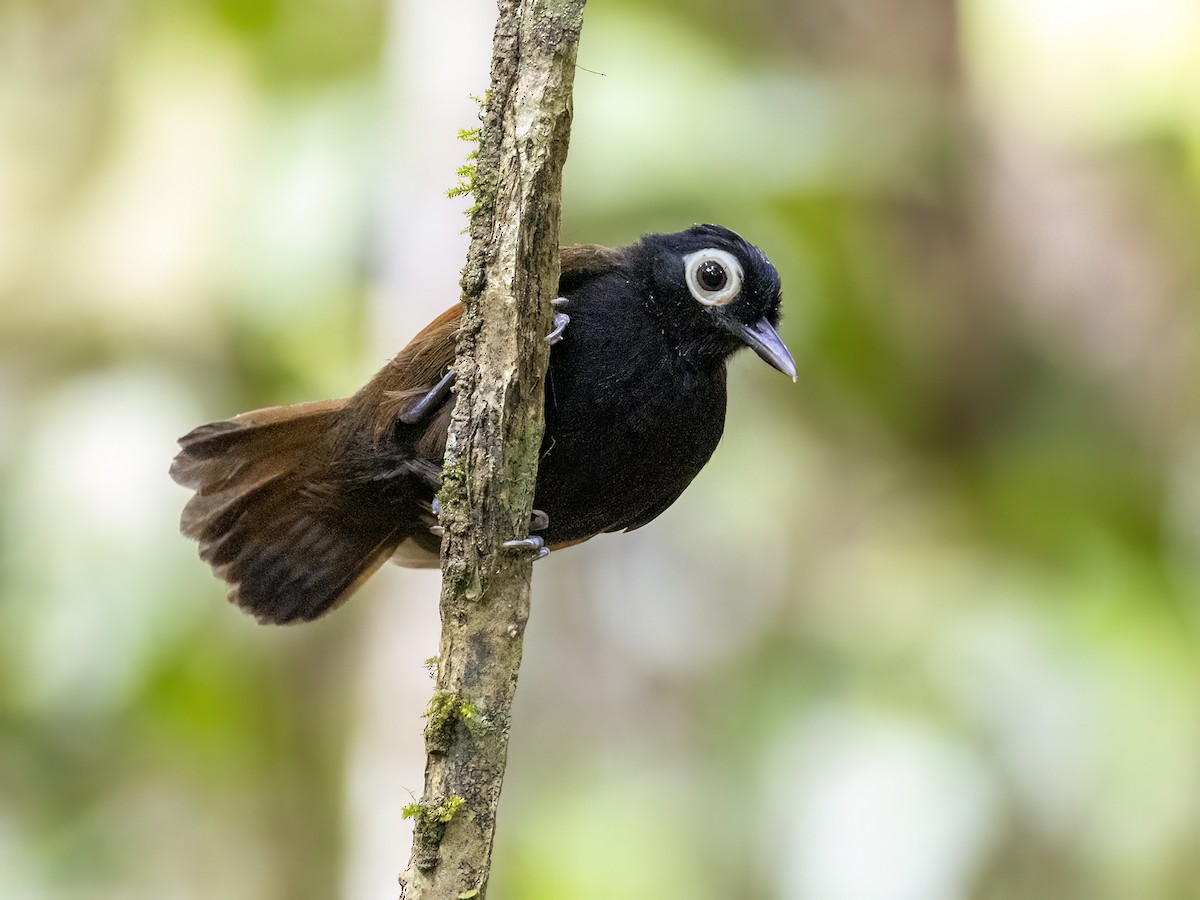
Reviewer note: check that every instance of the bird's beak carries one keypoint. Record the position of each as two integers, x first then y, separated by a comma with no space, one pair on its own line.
763,339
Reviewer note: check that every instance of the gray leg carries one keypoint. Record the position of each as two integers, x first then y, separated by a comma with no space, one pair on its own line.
420,410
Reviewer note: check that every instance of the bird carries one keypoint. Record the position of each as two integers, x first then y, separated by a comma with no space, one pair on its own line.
294,507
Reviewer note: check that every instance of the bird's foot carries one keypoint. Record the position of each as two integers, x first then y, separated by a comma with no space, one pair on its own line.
538,521
561,321
435,510
435,507
534,545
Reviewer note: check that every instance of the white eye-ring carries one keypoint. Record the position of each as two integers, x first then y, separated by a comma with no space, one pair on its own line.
713,276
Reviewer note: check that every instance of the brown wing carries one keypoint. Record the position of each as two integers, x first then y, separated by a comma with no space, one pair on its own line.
586,261
427,356
413,372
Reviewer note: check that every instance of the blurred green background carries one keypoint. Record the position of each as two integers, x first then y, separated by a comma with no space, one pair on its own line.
926,628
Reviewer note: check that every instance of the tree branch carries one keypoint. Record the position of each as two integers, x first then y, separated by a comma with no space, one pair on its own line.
511,274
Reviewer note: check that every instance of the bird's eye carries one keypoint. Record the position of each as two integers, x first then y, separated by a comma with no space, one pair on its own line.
713,276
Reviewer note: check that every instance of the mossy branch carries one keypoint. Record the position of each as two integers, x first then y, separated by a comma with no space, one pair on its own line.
510,276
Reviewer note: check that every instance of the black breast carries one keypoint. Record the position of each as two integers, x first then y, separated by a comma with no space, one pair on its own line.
629,420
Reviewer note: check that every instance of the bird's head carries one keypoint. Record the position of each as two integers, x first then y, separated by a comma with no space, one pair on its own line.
718,293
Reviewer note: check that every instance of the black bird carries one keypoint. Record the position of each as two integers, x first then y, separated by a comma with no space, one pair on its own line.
296,506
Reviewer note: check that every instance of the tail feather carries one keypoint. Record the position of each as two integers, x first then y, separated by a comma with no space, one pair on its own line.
216,507
277,518
218,453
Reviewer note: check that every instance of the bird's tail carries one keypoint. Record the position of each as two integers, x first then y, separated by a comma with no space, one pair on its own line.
292,538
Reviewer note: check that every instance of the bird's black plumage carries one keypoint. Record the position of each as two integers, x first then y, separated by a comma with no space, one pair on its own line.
295,506
636,393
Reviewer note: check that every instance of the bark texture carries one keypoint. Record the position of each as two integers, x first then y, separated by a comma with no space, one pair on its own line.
511,274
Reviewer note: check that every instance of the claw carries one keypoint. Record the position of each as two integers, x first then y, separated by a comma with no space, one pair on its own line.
561,320
435,506
559,301
538,521
535,545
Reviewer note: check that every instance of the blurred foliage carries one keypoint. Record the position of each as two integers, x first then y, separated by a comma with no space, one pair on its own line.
925,628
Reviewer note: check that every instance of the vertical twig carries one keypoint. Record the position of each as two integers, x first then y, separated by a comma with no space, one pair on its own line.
490,469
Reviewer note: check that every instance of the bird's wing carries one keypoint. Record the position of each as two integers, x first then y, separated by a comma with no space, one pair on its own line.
413,372
584,262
